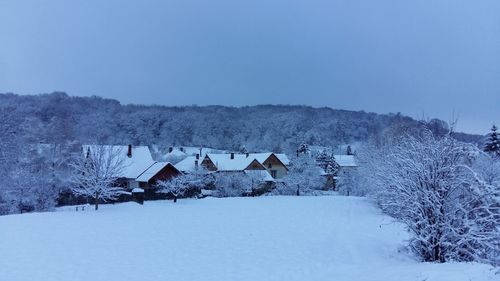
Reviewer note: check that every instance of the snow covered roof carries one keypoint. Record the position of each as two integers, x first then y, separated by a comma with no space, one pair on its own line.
188,164
223,162
262,157
177,153
192,150
345,160
152,171
261,174
135,165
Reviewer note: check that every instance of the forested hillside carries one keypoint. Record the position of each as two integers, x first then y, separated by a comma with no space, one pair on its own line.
58,118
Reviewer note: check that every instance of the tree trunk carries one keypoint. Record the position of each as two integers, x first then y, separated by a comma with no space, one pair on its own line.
96,200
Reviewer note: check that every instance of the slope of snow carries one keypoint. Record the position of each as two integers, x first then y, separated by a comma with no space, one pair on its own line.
262,238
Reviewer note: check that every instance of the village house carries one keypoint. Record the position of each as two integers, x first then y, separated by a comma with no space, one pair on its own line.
274,164
159,171
346,162
139,169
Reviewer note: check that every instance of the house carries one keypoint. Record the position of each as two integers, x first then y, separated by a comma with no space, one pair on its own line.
346,162
159,171
139,169
276,164
226,162
176,154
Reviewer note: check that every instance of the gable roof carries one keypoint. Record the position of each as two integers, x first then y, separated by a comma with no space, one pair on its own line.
188,164
345,160
135,165
260,174
152,171
223,162
192,150
262,157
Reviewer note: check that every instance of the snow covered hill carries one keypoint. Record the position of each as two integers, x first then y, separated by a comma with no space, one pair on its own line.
265,238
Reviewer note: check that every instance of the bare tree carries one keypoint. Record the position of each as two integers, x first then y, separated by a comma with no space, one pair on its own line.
97,171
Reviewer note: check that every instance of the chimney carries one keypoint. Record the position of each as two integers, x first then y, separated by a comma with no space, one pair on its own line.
170,149
232,155
197,156
196,164
129,152
182,149
247,154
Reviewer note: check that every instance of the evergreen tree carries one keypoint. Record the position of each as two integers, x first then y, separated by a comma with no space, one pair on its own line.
327,163
303,149
492,145
349,150
243,150
330,167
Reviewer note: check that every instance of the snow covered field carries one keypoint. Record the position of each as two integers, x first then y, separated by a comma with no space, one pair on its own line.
264,238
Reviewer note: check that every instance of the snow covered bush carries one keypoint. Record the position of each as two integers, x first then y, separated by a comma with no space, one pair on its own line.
430,185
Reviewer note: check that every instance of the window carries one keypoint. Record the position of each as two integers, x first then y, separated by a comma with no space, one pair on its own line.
269,165
273,173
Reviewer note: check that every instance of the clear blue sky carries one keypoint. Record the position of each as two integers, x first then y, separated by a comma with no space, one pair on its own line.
415,57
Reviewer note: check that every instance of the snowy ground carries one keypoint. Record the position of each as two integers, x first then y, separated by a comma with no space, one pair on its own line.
265,238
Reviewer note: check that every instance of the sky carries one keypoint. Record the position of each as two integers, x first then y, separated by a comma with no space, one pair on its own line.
426,58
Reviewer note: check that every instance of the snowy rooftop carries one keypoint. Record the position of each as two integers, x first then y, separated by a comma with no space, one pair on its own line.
223,162
261,157
260,174
135,165
188,164
345,160
152,171
192,150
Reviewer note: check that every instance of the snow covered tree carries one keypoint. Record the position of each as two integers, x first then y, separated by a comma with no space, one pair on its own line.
183,185
96,173
243,150
327,162
303,176
492,145
347,183
232,184
349,150
177,186
428,184
330,167
303,149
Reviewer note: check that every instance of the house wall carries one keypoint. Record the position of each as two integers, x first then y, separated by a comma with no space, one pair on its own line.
166,173
273,163
208,164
